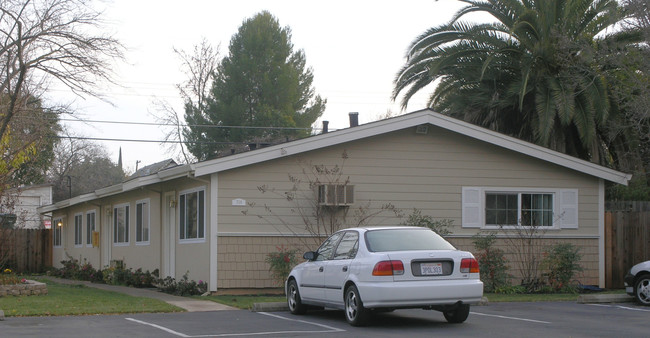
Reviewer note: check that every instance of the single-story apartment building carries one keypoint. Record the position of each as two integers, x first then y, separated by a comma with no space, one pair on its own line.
219,219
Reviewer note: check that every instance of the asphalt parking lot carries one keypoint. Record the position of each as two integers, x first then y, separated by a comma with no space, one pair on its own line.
543,319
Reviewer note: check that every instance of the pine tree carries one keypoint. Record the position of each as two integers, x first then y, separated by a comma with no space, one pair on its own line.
262,92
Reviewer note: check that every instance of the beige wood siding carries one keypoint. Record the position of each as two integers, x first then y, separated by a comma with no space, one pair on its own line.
242,265
242,259
409,170
588,261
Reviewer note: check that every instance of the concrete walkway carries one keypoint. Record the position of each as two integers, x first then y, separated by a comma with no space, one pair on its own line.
189,304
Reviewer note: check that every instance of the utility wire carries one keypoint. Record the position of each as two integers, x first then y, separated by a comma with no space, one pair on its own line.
174,125
143,141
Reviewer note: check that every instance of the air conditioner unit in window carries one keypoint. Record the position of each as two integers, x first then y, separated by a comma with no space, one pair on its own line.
335,195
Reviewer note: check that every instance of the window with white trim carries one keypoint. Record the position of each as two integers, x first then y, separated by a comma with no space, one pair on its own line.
142,222
56,233
192,215
508,207
121,224
78,230
90,227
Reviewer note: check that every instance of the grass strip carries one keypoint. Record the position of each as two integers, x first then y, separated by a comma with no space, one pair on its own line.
244,302
64,300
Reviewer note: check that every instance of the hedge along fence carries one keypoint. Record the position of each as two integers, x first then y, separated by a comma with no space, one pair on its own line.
25,250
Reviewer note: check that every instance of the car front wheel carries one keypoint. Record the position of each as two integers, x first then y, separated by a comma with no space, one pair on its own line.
457,315
293,299
642,290
355,313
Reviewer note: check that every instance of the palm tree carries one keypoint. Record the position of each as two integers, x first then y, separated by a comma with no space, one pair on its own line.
531,73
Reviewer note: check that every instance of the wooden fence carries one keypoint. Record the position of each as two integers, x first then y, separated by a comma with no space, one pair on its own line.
25,250
627,239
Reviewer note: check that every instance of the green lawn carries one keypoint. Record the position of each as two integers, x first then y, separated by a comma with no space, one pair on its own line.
63,300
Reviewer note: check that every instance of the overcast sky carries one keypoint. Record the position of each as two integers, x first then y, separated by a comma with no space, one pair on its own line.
354,47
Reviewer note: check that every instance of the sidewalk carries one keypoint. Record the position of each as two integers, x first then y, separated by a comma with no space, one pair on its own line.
189,304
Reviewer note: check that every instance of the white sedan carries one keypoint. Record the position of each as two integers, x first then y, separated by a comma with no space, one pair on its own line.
360,270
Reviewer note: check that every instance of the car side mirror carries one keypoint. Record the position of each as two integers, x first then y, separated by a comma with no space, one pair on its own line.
310,255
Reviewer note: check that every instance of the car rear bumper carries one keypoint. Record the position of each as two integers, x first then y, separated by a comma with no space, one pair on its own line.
420,293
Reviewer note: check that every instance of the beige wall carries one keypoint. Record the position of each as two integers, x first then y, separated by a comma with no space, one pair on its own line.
242,265
188,256
409,170
588,251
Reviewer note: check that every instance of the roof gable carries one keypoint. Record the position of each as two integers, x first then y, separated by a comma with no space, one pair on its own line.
421,117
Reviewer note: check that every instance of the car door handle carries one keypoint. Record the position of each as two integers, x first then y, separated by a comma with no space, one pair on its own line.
320,269
345,269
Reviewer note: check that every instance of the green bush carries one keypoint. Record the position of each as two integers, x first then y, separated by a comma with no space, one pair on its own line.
510,289
441,227
492,263
115,275
119,275
182,287
281,263
562,262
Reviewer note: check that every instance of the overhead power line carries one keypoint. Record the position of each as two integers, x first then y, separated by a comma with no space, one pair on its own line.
158,124
144,141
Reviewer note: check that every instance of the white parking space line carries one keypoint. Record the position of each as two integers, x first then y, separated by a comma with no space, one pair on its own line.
621,307
513,318
158,327
328,329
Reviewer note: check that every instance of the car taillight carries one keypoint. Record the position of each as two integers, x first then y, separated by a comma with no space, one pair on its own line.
388,268
469,265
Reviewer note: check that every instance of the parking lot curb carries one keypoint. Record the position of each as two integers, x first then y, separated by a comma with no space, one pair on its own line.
604,298
270,307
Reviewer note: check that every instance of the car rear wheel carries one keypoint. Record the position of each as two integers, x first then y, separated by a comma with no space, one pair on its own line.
458,315
293,299
642,290
355,313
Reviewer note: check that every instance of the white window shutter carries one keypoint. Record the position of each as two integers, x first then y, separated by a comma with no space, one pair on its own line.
471,207
568,209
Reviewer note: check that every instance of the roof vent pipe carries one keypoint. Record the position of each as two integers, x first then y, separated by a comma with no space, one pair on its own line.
325,126
354,119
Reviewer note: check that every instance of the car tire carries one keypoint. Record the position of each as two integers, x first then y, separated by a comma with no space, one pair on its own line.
457,315
355,313
293,299
642,290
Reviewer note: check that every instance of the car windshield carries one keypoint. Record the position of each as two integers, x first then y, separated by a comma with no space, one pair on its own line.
405,239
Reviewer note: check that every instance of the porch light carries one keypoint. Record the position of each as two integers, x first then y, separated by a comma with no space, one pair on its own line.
59,224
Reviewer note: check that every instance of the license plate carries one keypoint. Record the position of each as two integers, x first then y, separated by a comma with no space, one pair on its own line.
428,269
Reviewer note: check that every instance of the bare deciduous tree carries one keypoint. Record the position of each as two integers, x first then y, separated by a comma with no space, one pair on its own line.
81,166
200,67
317,219
45,42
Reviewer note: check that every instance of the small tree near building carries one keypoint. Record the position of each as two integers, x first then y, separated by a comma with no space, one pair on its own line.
324,201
